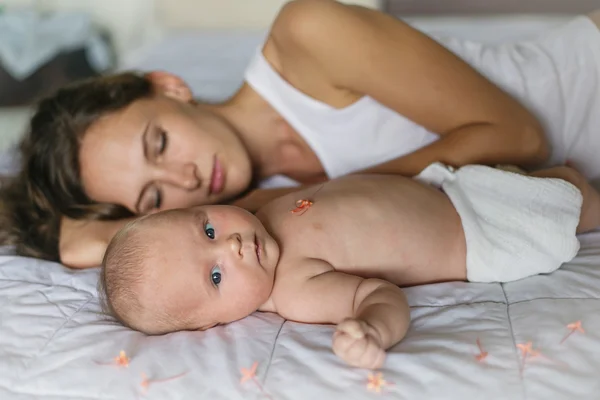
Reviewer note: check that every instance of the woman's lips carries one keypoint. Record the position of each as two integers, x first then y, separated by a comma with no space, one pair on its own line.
217,179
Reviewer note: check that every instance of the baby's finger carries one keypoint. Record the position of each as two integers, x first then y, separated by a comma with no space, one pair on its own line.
351,327
374,356
364,355
356,352
342,342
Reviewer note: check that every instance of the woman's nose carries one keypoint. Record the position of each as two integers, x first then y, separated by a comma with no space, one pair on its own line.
183,175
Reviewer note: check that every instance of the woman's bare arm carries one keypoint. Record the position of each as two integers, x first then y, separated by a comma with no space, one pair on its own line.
365,52
82,243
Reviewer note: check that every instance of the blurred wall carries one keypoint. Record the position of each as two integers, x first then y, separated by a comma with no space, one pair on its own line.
135,22
467,7
228,13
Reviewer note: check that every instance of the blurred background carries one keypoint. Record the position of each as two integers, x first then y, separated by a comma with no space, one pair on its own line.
47,43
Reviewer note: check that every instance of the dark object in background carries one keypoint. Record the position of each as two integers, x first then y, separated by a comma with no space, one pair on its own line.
65,67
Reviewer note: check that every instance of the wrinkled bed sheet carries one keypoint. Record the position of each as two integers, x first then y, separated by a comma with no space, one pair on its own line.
56,344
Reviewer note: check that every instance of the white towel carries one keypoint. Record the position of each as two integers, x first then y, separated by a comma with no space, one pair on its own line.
515,225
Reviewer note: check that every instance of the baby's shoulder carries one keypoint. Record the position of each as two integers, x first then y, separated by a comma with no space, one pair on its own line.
293,280
285,217
296,270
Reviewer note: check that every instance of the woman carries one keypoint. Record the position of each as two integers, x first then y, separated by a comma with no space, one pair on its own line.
334,90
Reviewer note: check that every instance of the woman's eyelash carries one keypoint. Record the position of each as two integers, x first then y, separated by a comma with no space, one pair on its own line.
158,199
163,140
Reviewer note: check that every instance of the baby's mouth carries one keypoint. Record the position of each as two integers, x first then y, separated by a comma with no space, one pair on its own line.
258,249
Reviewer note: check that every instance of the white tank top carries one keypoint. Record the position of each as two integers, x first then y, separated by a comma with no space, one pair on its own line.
362,135
556,75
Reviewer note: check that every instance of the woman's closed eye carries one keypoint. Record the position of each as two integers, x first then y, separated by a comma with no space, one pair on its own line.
155,145
215,275
151,199
157,199
161,147
161,142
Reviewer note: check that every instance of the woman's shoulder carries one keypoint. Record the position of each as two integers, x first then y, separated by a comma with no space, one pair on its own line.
301,22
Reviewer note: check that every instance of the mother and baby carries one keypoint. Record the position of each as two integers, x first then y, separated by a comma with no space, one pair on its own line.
452,160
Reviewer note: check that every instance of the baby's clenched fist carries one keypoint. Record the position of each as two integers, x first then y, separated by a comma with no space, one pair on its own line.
357,343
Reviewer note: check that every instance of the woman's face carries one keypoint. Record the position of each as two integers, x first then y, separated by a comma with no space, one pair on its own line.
163,153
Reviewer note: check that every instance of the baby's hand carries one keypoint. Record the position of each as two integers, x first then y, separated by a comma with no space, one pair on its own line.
357,343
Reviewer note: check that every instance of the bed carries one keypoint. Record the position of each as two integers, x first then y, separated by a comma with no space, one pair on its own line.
538,338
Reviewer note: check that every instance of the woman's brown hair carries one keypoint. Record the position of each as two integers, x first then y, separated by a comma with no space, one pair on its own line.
49,185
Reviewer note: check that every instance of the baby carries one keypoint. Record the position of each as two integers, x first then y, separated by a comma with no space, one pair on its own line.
338,252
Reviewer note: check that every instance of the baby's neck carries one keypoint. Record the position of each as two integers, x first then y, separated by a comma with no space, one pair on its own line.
269,306
265,218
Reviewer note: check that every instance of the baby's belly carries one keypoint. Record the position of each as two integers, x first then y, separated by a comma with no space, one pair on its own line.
408,260
404,232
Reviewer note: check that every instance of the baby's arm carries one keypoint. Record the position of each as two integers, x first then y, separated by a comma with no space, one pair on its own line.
380,320
371,314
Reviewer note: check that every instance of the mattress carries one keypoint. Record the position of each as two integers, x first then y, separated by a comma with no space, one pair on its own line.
537,338
521,340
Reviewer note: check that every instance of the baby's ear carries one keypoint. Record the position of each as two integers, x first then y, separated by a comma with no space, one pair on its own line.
170,85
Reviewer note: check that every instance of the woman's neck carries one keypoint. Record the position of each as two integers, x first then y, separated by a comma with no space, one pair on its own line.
265,134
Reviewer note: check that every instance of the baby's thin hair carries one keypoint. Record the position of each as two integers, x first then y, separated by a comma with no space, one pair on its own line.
121,276
121,273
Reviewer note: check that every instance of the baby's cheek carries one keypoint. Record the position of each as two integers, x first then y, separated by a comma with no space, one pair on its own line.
182,300
234,221
262,288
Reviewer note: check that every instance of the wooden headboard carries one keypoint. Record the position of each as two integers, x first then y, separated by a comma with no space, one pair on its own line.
465,7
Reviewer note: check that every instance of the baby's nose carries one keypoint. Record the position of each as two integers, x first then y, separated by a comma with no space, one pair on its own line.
235,245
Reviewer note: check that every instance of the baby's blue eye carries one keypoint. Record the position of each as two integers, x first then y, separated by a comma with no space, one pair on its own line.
209,230
215,275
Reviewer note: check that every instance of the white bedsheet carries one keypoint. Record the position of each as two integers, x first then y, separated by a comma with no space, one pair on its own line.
54,342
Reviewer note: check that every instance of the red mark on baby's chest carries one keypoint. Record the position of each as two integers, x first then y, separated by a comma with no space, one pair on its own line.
302,206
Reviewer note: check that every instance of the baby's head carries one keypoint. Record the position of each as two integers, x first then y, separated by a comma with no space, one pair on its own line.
188,269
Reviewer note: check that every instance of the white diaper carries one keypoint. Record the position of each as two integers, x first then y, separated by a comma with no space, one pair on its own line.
515,225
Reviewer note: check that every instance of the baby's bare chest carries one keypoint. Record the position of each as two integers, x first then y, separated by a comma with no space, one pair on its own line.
373,231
